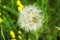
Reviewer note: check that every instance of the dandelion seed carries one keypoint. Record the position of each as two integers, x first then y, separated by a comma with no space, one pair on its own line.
30,18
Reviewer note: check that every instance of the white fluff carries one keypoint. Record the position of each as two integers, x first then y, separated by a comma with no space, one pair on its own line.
30,18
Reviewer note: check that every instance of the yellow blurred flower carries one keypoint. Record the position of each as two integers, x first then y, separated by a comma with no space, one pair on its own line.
20,6
12,34
1,20
19,37
19,32
13,39
18,2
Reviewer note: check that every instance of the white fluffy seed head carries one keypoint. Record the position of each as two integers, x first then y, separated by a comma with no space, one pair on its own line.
30,18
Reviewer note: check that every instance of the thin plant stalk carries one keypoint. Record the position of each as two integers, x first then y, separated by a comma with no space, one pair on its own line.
2,33
28,34
36,36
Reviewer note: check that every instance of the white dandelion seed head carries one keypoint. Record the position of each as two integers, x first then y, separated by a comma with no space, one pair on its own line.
30,18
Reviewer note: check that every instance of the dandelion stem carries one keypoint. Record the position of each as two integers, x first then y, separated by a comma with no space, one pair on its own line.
28,35
36,36
2,33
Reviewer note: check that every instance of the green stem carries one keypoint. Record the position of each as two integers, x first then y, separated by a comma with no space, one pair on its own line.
12,3
36,36
28,36
2,33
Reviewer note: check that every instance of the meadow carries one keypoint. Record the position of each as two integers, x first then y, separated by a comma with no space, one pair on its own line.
14,11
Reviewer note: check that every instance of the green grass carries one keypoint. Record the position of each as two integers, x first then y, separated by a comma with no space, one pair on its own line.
51,14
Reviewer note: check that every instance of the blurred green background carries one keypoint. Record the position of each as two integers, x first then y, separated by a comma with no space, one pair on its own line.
9,15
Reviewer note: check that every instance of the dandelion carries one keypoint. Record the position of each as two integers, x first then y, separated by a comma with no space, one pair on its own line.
30,18
20,6
1,20
12,34
18,2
